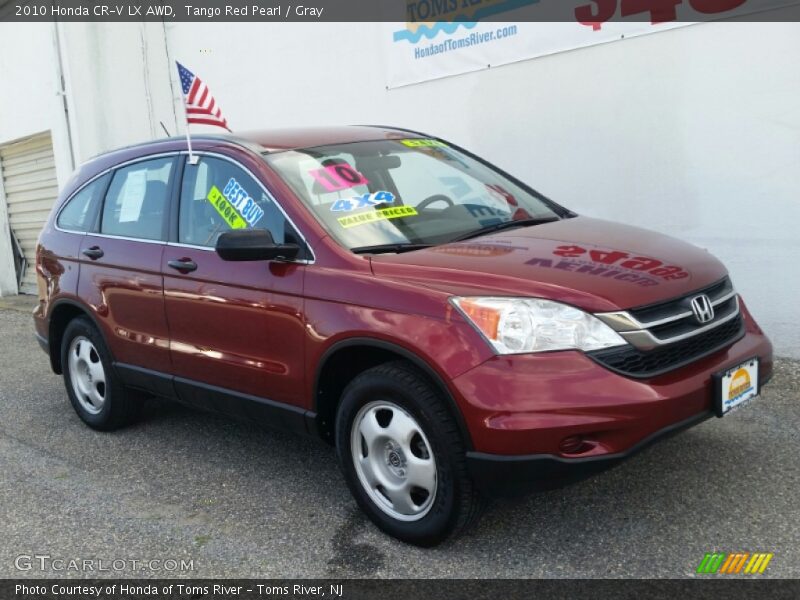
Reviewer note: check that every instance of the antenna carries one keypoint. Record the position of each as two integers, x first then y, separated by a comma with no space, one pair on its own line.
164,127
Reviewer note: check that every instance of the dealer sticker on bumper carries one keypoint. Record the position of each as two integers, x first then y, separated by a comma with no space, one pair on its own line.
736,386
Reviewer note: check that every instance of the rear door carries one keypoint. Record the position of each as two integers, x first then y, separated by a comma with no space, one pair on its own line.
61,242
236,328
121,265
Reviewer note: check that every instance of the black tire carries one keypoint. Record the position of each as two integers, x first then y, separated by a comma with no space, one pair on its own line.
120,406
456,504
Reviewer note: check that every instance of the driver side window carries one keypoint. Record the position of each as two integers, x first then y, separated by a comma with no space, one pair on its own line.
219,196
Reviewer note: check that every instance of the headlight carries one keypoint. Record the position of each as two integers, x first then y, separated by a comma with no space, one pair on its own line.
522,325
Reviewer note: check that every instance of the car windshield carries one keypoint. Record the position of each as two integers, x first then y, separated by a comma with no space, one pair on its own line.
406,193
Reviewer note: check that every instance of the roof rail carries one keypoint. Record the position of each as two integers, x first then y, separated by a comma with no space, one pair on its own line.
233,139
400,129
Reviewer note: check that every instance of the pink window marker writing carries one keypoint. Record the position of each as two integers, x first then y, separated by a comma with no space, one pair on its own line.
338,177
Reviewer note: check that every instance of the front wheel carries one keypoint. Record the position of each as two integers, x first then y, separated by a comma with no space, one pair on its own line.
403,457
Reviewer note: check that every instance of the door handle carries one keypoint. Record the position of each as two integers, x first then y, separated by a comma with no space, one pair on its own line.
185,265
94,252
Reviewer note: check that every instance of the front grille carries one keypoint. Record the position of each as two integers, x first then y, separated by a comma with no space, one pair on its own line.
662,310
630,361
666,335
688,324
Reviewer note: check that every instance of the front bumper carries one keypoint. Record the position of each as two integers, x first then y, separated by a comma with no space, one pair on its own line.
540,421
498,475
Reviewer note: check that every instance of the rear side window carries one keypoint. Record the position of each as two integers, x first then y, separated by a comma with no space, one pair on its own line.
219,196
80,211
138,199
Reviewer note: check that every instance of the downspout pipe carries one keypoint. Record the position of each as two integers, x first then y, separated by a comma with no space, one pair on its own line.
62,91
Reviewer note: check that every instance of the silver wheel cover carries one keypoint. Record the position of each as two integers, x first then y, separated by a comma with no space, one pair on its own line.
394,460
87,375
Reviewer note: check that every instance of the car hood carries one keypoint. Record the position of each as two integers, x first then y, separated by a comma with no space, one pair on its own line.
590,263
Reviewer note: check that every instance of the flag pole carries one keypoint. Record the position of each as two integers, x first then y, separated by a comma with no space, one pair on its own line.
192,157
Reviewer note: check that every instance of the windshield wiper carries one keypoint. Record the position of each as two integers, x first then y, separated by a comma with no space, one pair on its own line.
389,248
502,226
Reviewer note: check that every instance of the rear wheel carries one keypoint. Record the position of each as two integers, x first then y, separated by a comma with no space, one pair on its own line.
94,390
403,457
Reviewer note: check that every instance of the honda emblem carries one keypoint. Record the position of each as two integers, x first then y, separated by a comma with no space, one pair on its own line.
702,308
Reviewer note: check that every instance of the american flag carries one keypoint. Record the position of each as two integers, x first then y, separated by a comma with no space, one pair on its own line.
201,107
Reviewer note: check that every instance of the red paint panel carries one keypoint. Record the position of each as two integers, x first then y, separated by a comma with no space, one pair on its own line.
593,264
124,289
237,325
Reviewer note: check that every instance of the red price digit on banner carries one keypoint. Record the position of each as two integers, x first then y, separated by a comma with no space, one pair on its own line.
710,7
338,177
660,11
596,13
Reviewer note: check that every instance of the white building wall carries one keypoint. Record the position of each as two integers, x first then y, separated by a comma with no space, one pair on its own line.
30,101
119,82
693,131
29,80
29,104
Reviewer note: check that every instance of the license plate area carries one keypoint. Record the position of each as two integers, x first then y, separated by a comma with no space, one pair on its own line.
735,387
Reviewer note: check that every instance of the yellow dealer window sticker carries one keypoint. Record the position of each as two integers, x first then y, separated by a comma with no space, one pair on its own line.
225,210
415,143
383,214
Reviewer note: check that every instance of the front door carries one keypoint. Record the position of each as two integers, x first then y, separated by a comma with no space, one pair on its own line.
236,328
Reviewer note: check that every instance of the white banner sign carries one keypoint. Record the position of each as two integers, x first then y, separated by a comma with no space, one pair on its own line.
420,51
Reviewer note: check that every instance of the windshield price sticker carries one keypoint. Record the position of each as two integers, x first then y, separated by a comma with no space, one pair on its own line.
383,214
225,210
364,201
338,177
242,202
415,143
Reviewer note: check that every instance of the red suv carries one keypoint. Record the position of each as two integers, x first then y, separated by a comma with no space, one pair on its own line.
454,333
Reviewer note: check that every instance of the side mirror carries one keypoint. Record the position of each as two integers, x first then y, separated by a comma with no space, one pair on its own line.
253,244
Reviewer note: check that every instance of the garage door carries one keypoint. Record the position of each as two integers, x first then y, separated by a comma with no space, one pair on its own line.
28,171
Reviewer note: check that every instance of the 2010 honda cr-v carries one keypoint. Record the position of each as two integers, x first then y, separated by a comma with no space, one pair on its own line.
453,332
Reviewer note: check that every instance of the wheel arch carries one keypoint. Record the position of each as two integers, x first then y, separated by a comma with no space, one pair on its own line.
61,314
345,359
